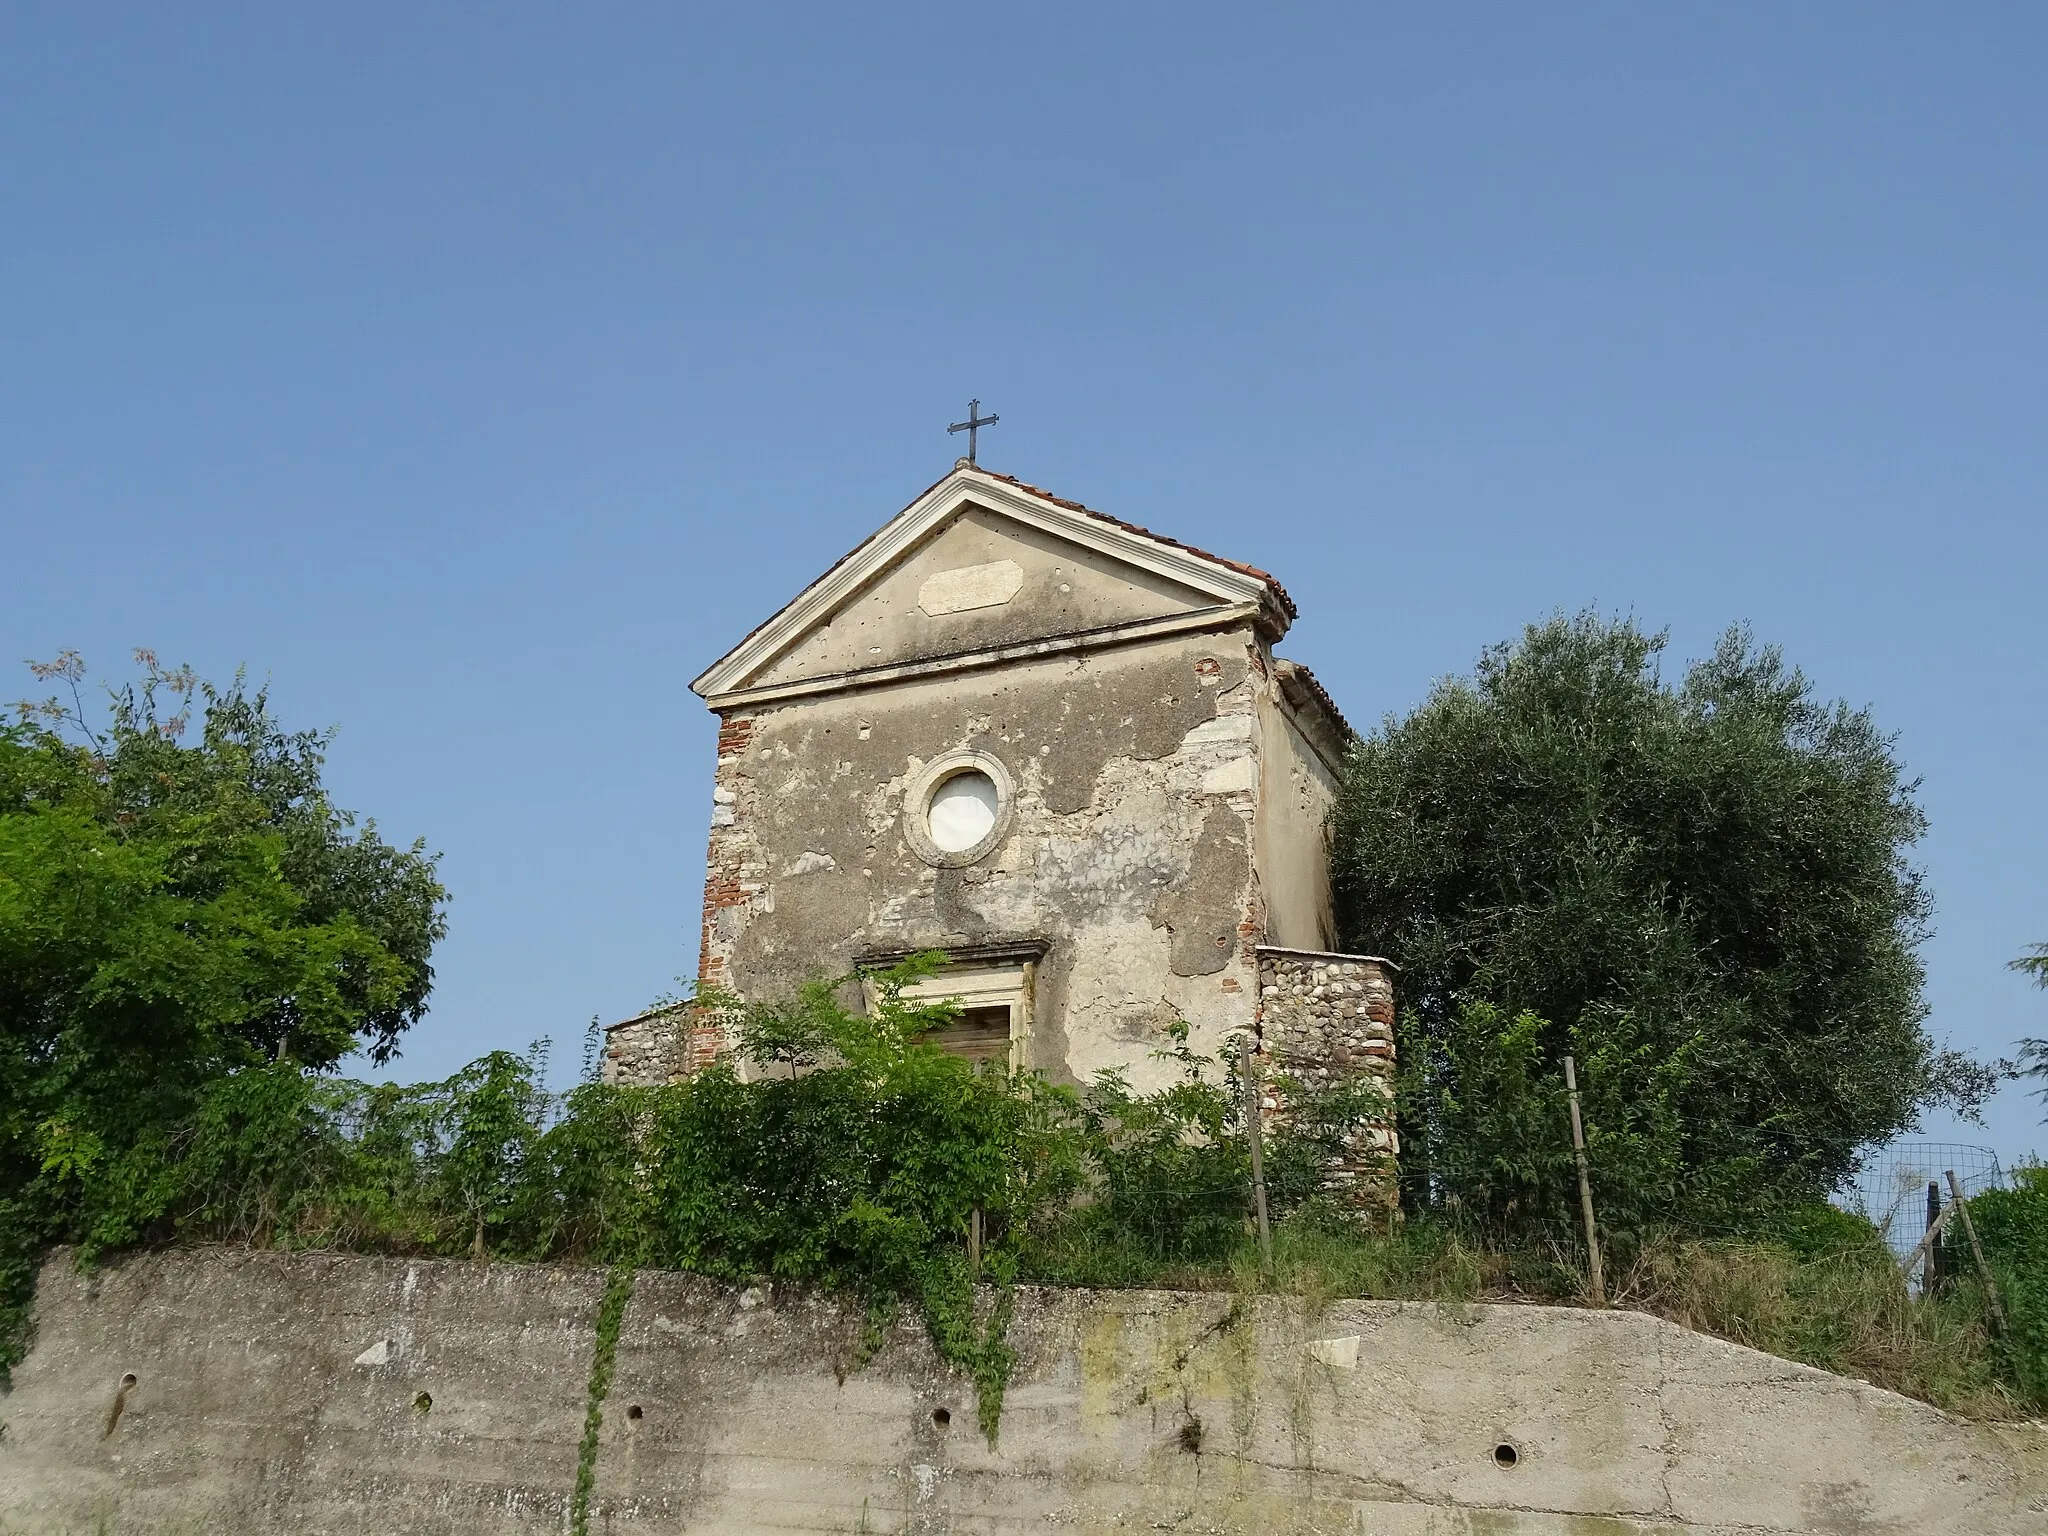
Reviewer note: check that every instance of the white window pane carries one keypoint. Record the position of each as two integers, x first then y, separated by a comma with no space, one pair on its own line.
962,811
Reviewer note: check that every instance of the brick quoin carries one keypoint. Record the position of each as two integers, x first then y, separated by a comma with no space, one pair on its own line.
735,736
722,889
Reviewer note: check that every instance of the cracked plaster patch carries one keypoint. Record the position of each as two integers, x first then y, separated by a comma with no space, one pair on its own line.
970,587
1341,1352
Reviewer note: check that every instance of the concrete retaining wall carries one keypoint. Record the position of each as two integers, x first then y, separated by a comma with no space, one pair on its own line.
324,1394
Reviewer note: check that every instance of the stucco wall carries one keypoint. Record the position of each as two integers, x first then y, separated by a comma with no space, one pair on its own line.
1130,857
1059,588
324,1394
1296,793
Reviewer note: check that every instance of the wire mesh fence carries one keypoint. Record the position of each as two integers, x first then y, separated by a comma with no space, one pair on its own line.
1891,1186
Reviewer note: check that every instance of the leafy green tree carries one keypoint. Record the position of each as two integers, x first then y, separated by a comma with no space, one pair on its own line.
495,1108
1173,1167
172,912
1721,864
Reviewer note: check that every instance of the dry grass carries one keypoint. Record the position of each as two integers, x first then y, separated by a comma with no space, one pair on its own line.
1846,1312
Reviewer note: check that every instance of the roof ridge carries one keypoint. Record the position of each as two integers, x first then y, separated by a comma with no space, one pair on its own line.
1239,566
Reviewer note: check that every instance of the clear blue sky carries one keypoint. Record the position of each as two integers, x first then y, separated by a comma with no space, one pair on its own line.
479,373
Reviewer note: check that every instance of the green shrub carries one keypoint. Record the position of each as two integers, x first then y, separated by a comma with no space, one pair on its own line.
1172,1169
1820,1231
1487,1129
2012,1225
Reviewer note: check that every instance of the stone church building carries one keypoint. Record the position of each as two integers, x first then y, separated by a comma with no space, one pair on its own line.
1057,747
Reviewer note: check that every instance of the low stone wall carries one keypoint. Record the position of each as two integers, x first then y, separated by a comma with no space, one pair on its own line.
230,1391
663,1045
647,1049
1327,1021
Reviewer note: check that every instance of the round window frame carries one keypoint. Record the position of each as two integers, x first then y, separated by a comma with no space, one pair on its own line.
917,804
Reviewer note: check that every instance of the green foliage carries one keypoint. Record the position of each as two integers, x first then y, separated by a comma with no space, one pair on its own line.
494,1106
1721,863
174,915
2012,1225
1821,1231
1172,1168
1168,1173
1489,1142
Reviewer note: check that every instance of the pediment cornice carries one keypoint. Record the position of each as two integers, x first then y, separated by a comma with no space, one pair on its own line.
1227,585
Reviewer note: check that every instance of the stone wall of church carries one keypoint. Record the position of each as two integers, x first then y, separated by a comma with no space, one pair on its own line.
1129,857
658,1046
1326,1022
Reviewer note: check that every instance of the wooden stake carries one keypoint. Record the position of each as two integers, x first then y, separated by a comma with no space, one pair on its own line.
1252,1116
1571,1083
1931,1281
1958,1205
1933,1235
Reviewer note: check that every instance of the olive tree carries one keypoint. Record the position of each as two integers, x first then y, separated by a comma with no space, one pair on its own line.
1717,867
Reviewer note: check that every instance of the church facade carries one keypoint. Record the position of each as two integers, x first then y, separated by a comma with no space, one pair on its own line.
1058,748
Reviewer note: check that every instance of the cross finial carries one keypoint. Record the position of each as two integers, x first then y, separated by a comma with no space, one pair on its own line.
975,422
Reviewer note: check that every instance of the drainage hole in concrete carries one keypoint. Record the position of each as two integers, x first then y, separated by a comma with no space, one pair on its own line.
423,1402
1505,1455
120,1402
634,1412
941,1418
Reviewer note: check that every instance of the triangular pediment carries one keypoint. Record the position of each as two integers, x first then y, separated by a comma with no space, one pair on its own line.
981,566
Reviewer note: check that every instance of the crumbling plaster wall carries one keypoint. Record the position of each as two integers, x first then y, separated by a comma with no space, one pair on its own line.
1130,855
323,1394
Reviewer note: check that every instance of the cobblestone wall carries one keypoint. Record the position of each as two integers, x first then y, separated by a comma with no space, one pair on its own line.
661,1046
1327,1021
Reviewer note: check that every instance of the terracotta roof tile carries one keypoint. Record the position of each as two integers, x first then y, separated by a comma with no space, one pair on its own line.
1289,669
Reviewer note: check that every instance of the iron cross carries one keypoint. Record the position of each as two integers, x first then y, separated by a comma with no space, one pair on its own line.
975,422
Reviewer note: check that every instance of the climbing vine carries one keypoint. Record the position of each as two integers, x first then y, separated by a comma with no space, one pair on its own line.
604,1354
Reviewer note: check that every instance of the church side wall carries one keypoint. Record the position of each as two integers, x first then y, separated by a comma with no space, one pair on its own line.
1129,857
1296,794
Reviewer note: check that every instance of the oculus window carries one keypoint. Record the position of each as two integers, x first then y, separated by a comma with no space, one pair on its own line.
958,809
